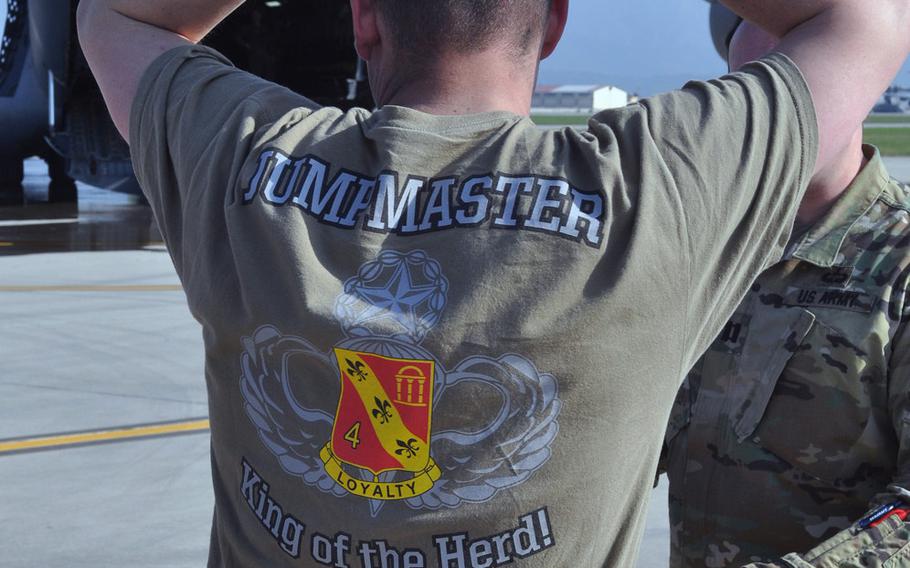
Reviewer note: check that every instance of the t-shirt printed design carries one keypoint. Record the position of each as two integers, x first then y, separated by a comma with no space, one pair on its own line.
379,443
382,433
410,205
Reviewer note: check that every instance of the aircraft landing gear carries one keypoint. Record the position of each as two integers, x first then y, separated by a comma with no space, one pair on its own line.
62,188
11,192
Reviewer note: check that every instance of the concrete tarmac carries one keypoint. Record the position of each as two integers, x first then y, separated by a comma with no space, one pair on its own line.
899,168
102,459
97,338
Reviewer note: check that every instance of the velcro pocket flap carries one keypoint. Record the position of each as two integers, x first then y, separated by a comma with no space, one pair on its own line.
763,360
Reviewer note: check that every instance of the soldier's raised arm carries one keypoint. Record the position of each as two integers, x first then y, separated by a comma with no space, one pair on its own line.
121,38
849,51
780,122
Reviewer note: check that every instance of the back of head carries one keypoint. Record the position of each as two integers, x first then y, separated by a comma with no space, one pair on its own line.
433,27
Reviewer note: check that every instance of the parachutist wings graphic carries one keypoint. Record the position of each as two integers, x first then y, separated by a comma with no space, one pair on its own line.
491,421
486,454
291,430
501,449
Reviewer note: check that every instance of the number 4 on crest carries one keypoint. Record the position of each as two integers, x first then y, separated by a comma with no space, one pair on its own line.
353,435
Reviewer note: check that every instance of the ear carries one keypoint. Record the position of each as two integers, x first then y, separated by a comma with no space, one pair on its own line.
556,25
366,27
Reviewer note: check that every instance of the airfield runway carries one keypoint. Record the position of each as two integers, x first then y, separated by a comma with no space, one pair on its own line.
104,457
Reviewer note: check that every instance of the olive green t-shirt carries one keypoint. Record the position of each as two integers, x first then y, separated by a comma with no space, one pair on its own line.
455,340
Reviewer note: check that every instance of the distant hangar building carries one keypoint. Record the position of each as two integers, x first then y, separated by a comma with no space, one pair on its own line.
895,99
577,99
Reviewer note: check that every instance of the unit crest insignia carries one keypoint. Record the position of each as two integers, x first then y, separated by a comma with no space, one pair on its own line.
380,444
382,424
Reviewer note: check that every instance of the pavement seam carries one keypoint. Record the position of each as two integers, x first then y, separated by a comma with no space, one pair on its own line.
94,288
102,393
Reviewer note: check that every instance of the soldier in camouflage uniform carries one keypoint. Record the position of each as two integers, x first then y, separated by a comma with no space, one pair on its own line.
793,427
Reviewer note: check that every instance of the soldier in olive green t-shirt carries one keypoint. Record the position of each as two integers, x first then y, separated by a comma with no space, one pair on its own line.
383,269
435,334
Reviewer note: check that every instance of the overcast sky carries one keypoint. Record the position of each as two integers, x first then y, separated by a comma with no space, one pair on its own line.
643,46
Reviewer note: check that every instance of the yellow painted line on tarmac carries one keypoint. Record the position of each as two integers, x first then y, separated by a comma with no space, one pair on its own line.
6,244
100,436
95,288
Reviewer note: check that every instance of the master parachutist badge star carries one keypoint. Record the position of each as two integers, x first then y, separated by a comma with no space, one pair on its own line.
399,296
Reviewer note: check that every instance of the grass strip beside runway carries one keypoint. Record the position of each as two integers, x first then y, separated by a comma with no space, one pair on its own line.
890,141
897,118
93,437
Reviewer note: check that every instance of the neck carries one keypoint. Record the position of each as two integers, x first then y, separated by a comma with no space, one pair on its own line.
460,84
831,181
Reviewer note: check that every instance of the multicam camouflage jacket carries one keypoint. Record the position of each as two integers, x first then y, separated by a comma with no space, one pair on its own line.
797,420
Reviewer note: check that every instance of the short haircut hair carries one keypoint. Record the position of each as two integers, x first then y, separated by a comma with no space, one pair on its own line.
463,26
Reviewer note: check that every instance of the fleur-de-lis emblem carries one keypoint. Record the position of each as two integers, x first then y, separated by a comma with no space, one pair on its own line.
408,448
383,410
355,369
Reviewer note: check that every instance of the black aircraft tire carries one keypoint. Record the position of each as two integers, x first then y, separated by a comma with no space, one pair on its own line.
62,191
11,174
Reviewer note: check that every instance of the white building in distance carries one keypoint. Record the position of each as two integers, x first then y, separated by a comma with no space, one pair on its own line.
577,99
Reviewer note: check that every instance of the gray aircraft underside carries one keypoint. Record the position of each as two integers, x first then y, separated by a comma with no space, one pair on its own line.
50,105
